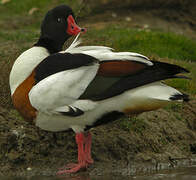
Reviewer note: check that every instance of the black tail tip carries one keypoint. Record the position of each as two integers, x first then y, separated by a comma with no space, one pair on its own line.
183,97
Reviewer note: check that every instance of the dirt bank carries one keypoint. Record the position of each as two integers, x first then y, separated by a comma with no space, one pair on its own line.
161,136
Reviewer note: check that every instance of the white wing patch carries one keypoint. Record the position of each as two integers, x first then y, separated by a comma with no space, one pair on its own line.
61,89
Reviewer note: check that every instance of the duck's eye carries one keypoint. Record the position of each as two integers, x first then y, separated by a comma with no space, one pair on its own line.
59,20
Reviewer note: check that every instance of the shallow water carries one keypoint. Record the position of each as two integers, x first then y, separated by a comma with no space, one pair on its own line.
188,173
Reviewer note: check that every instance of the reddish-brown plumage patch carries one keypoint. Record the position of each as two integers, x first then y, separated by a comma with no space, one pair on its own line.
145,106
119,68
21,101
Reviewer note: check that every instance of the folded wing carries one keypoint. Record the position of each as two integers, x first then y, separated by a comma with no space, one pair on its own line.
116,77
60,80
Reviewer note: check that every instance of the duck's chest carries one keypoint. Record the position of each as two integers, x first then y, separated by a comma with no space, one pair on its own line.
22,79
25,64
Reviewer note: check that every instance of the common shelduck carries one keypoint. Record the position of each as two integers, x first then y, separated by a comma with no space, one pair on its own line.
58,90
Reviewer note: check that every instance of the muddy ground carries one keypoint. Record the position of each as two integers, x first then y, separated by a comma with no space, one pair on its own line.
164,136
167,137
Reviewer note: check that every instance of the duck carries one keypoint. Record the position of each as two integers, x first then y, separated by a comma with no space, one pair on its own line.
77,88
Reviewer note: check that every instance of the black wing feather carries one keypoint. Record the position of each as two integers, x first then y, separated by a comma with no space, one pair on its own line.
159,71
60,62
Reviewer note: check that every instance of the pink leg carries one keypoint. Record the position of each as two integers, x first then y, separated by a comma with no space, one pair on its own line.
84,155
88,141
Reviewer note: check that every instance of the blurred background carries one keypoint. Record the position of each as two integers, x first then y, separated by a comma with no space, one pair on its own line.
163,30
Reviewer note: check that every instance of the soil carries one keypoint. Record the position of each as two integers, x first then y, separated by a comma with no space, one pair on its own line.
169,135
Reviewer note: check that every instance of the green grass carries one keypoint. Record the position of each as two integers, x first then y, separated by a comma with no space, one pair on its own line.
19,7
175,107
187,86
133,123
18,35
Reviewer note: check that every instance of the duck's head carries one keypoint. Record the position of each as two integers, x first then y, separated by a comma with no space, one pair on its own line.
57,26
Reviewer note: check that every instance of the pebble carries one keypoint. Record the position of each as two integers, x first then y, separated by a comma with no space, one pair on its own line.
128,19
29,169
146,26
114,15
